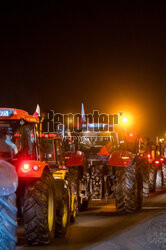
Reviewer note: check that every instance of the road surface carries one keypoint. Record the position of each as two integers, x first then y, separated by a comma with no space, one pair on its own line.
100,227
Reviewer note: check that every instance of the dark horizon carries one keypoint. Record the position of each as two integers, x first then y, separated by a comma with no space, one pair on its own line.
111,57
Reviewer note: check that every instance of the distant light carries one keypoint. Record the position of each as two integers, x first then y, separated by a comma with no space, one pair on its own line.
125,157
125,120
161,159
131,134
157,162
70,120
148,155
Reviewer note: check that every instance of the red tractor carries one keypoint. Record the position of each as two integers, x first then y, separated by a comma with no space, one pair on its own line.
116,168
157,162
129,168
36,192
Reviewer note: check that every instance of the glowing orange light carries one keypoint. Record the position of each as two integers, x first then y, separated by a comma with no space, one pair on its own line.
125,120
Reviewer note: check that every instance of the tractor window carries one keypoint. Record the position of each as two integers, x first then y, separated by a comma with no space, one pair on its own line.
59,152
47,150
22,139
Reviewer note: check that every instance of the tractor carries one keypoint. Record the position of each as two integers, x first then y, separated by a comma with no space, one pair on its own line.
36,193
157,162
117,169
70,166
53,153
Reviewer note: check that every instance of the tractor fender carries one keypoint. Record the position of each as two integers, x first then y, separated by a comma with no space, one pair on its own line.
31,168
120,158
74,159
8,178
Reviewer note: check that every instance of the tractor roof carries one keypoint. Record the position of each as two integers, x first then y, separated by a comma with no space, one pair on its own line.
17,114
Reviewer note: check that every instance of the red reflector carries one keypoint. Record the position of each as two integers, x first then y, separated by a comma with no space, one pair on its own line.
157,162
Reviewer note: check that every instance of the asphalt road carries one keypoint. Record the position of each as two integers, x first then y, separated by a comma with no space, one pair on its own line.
100,227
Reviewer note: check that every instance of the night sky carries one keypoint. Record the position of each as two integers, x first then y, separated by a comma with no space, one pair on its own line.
111,57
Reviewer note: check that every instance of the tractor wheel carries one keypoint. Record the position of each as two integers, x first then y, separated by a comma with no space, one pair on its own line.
164,174
8,224
159,179
128,189
74,212
152,179
39,210
62,212
145,176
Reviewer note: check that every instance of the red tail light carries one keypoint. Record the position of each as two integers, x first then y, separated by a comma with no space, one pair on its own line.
30,168
157,162
25,168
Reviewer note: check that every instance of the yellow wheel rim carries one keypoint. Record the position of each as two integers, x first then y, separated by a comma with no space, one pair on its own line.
74,209
65,216
50,210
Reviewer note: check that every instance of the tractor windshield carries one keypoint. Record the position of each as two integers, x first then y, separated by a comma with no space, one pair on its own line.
17,141
47,149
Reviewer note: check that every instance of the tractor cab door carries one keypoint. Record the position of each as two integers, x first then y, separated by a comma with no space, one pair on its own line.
59,153
47,150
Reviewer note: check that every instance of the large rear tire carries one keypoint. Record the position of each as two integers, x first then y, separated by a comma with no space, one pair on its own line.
145,176
128,189
152,179
164,175
39,210
8,224
159,179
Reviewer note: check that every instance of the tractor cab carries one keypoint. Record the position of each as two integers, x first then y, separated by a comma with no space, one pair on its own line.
51,149
18,132
19,142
